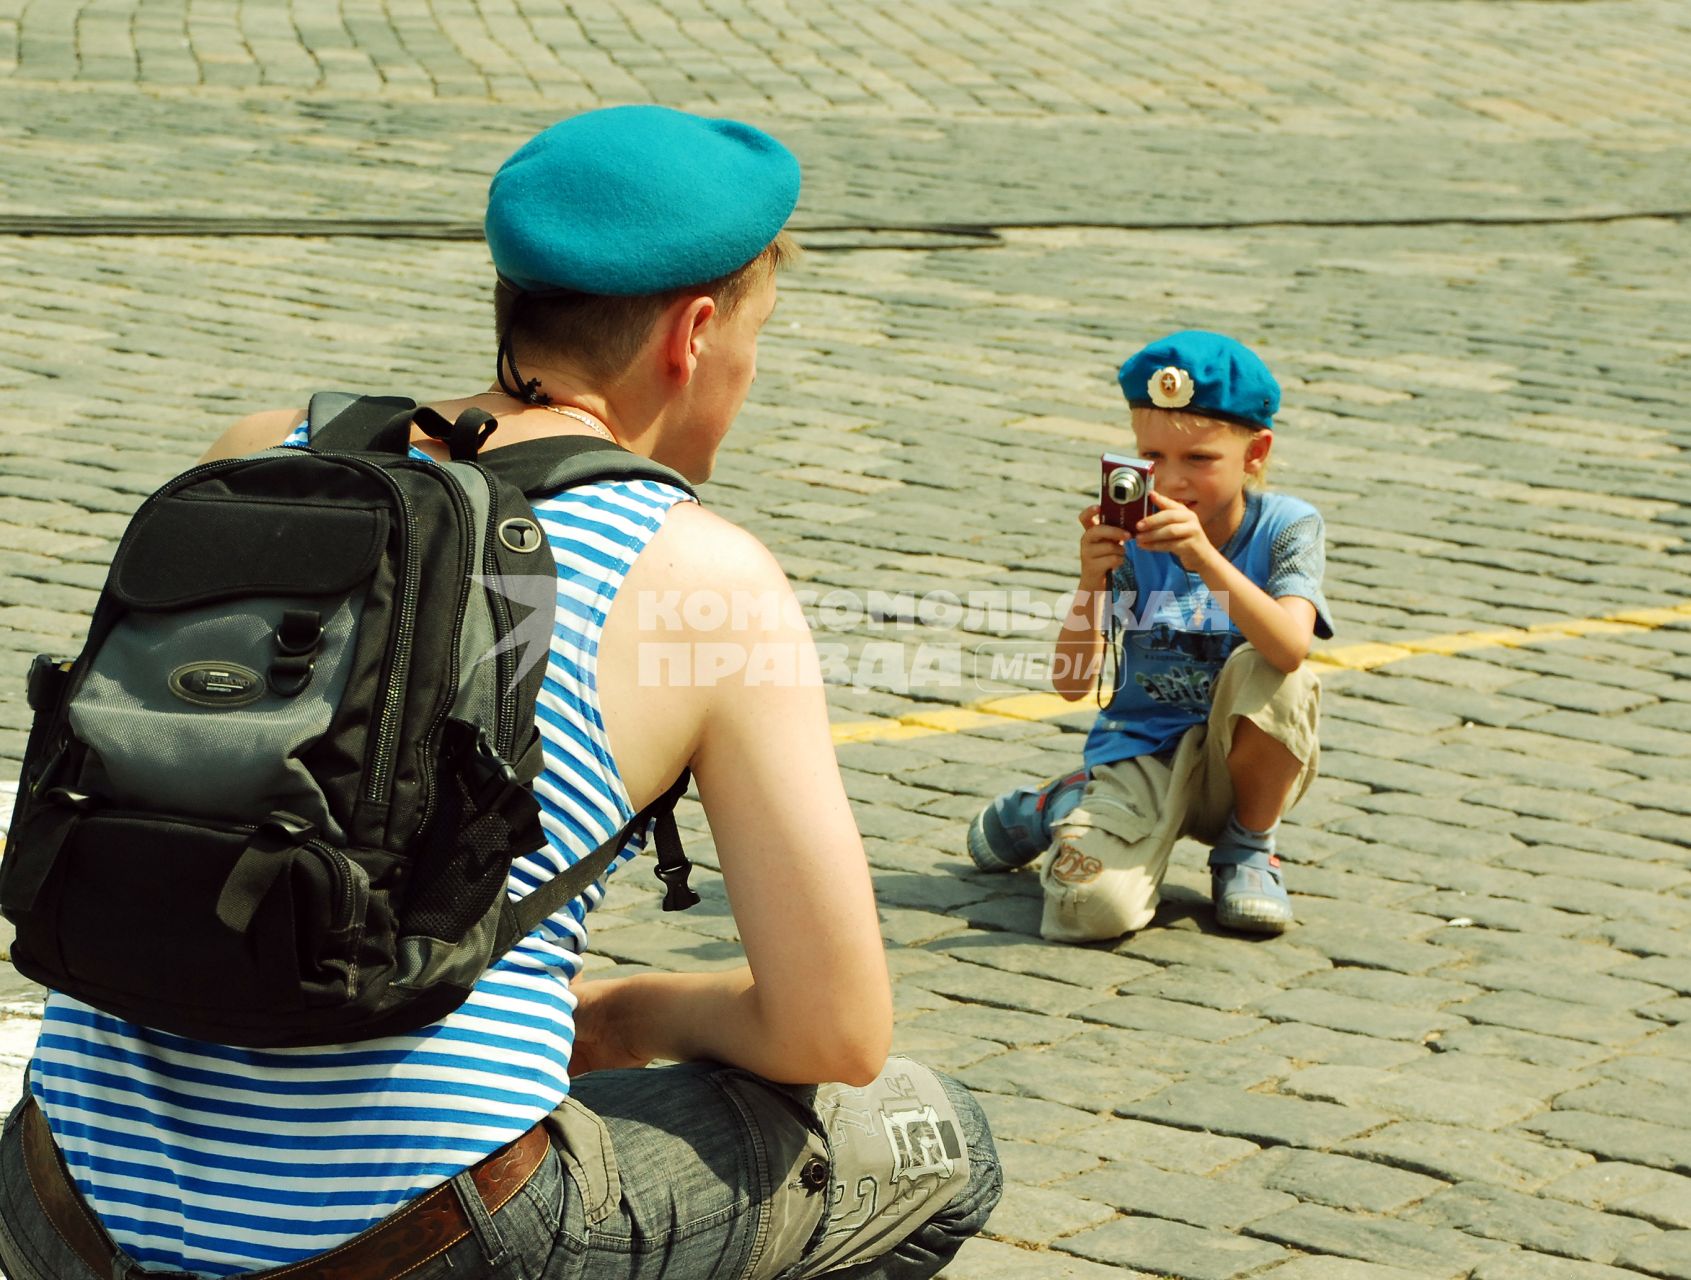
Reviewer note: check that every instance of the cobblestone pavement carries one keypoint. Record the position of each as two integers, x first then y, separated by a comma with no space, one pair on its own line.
1456,228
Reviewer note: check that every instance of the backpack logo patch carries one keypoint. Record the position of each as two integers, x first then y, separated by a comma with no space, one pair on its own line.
216,684
521,534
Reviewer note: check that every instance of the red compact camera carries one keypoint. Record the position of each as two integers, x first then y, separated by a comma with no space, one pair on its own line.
1124,497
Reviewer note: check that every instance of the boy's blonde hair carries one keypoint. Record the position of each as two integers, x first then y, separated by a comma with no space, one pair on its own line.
1185,420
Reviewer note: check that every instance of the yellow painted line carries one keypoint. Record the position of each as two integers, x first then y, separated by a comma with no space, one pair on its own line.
1027,706
1002,708
1361,657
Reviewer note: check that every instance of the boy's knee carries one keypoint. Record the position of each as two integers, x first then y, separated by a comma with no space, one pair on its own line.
1087,901
1250,686
1247,664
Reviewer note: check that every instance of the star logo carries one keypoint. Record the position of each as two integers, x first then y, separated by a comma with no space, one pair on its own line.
1170,388
531,634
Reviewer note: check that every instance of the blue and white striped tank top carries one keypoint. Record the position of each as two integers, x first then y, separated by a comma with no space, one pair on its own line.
206,1158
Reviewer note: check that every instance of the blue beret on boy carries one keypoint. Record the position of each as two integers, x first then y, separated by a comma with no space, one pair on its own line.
1202,372
634,200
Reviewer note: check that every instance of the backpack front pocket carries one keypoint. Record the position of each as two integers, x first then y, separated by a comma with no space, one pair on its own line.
243,924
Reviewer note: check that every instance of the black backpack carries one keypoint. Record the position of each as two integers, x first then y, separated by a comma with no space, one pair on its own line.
275,800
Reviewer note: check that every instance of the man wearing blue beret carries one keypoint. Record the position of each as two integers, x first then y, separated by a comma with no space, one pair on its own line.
521,1135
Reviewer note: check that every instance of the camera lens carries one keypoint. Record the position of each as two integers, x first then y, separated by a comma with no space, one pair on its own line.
1126,485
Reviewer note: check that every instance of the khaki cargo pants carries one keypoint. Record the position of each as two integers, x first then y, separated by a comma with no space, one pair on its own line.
1108,857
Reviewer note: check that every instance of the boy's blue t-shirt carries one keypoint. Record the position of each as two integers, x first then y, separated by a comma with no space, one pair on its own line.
1175,635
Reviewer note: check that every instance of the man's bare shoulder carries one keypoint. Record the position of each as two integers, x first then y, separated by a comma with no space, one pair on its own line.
254,432
698,546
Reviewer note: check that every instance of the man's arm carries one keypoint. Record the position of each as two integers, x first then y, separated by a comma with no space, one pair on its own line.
814,1001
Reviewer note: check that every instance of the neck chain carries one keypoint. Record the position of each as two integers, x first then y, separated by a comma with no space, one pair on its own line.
586,419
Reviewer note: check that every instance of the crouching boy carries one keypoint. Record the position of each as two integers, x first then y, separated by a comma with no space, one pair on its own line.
1208,604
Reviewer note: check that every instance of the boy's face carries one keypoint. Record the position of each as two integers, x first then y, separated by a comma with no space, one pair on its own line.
1202,463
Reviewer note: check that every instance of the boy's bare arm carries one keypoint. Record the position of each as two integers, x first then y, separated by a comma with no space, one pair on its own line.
1080,644
1281,629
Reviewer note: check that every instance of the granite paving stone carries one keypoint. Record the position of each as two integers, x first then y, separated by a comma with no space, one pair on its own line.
1006,1026
1586,952
1065,1078
1259,1117
1339,1182
1661,1104
1145,1190
1651,1194
1506,1044
1147,1013
1318,1229
1667,1255
1351,1013
1098,970
1540,1266
1498,1213
1244,1063
1040,1215
1346,946
1036,1163
998,988
1499,913
1667,1146
1470,1104
1461,1155
1190,984
984,1258
1607,990
1165,1146
1404,990
1527,1012
1173,1249
1300,1042
1035,1119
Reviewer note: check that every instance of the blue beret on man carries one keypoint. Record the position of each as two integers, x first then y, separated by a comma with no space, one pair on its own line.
1202,372
637,200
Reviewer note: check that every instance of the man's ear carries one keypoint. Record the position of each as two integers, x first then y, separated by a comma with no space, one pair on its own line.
1256,450
684,325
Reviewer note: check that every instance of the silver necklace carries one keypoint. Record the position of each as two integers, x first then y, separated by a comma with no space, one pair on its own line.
586,419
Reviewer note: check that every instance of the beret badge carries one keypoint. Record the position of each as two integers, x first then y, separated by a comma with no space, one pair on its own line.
1170,388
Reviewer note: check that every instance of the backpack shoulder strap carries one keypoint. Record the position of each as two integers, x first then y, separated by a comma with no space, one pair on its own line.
345,423
523,917
541,468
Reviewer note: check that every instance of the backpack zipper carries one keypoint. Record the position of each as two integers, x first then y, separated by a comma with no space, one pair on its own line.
380,777
381,782
341,866
505,661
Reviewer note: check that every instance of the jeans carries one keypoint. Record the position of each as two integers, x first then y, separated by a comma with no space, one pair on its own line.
674,1173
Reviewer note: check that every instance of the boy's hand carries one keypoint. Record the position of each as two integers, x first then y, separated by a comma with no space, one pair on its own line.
1174,529
1102,549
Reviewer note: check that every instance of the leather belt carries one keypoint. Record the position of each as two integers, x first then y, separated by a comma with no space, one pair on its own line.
423,1229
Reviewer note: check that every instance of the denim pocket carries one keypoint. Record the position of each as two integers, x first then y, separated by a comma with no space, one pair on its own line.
686,1169
793,1168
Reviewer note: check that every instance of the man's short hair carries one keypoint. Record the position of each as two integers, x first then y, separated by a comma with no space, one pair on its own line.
601,334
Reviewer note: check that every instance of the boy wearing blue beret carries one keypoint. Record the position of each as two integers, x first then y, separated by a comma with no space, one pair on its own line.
636,251
1209,604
